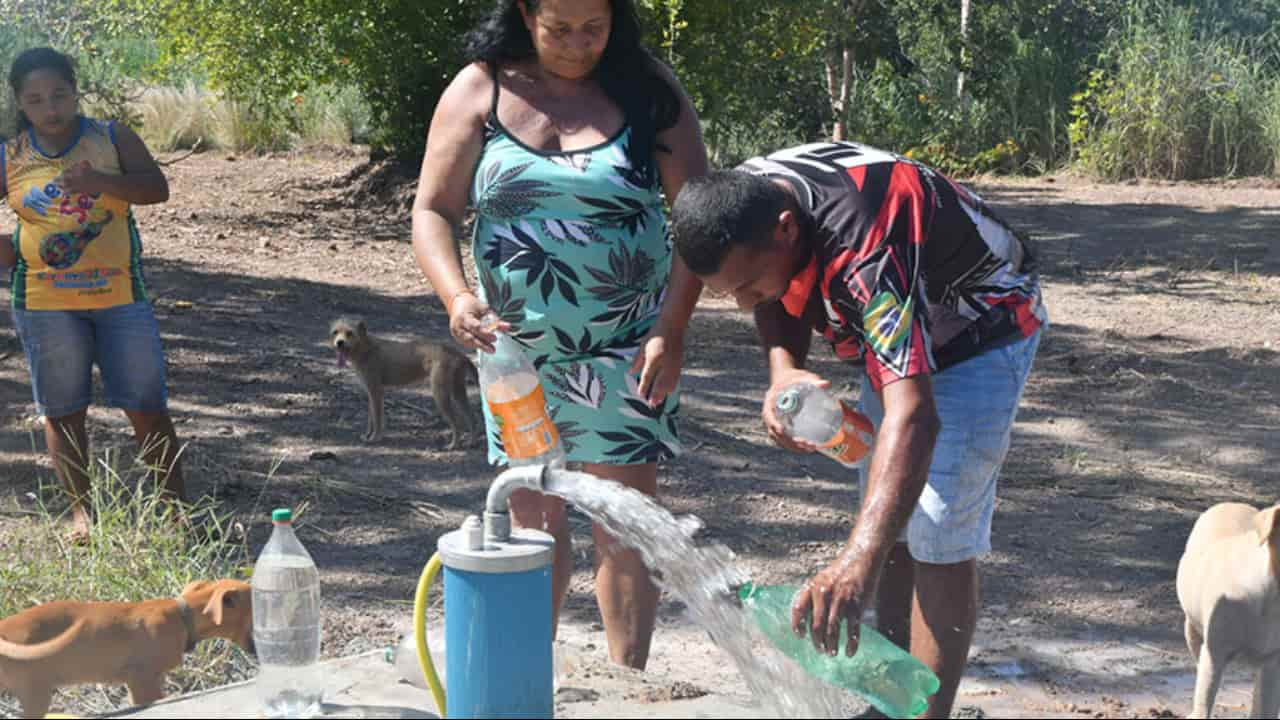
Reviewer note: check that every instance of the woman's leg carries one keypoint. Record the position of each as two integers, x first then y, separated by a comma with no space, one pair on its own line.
535,511
627,596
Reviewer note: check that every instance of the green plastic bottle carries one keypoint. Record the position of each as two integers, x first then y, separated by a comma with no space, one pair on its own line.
884,674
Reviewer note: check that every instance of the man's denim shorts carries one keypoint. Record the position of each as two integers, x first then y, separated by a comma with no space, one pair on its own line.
977,401
62,346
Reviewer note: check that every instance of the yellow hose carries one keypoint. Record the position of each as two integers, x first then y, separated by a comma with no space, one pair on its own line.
420,631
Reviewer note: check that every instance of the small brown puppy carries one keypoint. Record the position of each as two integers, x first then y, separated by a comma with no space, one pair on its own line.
66,642
1229,589
383,363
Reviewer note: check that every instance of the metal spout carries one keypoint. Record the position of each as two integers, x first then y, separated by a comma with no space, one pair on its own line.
497,521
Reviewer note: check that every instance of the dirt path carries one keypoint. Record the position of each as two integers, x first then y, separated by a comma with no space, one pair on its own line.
1155,395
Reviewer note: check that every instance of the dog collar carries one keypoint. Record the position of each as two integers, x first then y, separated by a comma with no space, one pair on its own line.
189,622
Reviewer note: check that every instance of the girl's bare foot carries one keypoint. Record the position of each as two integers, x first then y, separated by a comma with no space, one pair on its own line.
80,526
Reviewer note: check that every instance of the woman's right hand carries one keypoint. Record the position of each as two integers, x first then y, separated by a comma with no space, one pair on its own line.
468,324
778,383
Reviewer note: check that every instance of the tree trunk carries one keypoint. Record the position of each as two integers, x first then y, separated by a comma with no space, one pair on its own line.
964,49
838,88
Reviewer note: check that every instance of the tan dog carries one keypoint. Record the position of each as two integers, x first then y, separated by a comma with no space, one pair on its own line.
67,642
1227,585
384,363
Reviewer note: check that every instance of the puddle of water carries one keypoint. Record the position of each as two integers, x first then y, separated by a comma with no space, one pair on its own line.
700,576
1008,670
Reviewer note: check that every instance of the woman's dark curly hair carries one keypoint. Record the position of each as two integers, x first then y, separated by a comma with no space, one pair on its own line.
627,72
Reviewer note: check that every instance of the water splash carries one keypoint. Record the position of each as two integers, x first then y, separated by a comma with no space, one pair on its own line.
700,576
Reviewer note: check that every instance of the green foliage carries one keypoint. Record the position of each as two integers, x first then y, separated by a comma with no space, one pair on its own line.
752,67
1181,88
1173,102
71,26
399,54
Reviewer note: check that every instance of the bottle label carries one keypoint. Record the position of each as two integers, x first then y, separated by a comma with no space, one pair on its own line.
526,430
853,440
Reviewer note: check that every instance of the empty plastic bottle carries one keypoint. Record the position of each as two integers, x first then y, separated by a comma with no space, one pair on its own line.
810,413
286,624
404,655
884,674
515,398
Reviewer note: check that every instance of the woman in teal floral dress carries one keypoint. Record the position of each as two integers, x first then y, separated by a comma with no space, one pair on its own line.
564,134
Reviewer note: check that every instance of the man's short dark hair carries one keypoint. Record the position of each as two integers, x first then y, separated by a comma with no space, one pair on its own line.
724,209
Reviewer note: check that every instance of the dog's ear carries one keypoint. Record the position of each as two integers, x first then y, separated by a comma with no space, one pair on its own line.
193,586
360,328
222,598
1265,523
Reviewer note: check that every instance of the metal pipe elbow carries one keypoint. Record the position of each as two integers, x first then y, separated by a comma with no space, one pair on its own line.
497,521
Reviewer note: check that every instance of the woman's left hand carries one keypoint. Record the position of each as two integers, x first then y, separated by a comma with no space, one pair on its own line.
658,361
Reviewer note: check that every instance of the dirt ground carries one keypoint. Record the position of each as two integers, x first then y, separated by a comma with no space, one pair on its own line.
1154,395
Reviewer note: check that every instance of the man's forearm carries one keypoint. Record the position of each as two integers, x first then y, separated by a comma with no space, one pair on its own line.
784,337
898,473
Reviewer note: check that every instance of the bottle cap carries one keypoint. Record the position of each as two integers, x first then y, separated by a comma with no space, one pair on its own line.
788,401
282,515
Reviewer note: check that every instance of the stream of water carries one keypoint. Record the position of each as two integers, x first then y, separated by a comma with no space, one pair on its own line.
701,576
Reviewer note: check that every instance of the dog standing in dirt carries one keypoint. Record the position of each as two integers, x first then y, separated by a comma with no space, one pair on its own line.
66,642
384,363
1229,589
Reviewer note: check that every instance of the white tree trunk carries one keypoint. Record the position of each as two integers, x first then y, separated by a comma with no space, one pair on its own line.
838,89
964,52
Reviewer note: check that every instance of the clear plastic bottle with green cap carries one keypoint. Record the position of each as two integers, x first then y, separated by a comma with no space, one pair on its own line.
882,673
286,624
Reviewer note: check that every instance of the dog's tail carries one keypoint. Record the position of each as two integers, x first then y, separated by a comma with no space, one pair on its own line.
17,651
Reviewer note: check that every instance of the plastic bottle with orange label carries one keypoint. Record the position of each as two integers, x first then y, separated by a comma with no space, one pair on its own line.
515,399
810,413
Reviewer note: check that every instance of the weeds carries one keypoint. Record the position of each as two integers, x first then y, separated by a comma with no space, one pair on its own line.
177,118
137,550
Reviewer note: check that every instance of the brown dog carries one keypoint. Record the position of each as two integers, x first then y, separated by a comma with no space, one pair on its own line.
385,363
1229,589
67,642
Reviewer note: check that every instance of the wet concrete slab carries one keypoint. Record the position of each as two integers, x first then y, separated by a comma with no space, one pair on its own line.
1051,677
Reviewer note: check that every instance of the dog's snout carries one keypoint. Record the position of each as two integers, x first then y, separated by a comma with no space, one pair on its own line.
340,342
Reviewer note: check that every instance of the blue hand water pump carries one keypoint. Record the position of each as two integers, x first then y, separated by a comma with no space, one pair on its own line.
497,612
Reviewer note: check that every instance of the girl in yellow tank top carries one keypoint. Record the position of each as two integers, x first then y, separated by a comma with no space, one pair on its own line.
76,246
76,281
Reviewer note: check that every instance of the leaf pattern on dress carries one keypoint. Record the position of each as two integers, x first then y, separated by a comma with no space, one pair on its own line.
580,384
634,405
576,232
621,212
627,287
567,429
579,161
636,444
516,247
510,309
503,197
624,175
576,250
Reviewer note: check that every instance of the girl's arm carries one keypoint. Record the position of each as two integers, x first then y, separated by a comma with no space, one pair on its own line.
142,181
